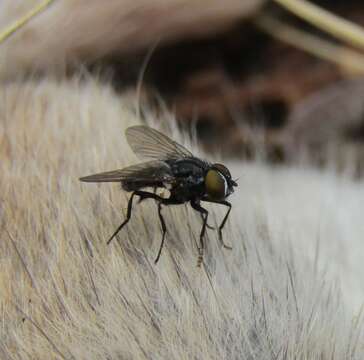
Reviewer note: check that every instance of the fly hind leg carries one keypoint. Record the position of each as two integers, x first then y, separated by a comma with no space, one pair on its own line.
128,216
164,230
142,195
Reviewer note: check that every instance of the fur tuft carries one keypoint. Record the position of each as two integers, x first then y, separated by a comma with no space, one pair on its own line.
87,30
291,288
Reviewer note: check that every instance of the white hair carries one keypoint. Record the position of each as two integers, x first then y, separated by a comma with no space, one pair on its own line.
290,288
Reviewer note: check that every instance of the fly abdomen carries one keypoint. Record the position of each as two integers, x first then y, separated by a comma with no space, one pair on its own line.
133,185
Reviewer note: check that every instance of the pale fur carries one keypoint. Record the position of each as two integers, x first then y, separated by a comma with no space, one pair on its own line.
291,288
72,31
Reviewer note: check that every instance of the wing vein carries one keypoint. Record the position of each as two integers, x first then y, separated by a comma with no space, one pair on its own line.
148,143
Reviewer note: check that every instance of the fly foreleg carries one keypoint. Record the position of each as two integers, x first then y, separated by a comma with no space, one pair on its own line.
226,203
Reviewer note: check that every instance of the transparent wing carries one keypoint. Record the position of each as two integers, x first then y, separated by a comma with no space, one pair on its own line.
148,143
147,172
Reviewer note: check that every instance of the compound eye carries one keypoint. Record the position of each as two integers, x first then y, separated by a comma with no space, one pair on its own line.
216,185
222,169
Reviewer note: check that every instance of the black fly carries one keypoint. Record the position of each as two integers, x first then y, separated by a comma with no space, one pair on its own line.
173,167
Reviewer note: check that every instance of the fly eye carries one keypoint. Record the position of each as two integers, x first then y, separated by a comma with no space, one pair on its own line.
215,184
223,170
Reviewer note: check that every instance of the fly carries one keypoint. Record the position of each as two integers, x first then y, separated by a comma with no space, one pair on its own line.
170,166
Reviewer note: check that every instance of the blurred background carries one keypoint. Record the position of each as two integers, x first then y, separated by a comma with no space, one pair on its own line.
279,80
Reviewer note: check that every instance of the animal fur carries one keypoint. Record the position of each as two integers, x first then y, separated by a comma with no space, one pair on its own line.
74,31
291,288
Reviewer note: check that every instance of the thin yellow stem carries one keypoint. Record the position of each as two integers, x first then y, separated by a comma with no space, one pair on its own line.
350,60
326,21
22,21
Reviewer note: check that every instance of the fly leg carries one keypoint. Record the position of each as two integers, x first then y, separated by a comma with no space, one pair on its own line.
223,224
162,201
164,229
204,213
128,215
143,195
207,225
226,203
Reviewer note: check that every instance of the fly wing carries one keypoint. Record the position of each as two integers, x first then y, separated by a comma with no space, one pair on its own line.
148,143
151,172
